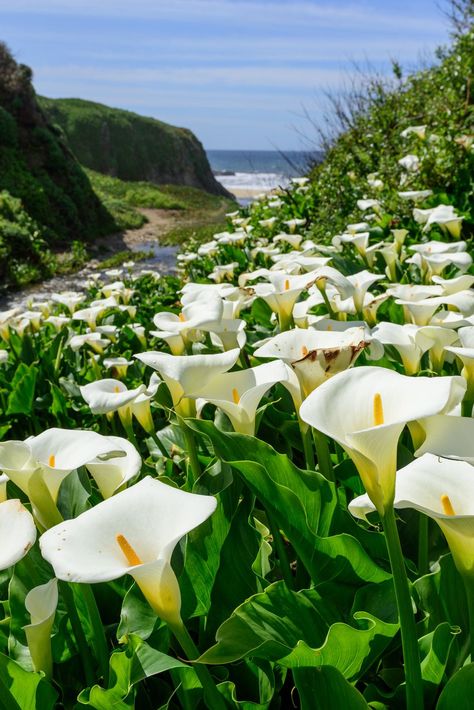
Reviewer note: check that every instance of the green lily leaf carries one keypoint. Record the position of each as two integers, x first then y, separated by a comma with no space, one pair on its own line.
301,502
24,690
458,691
127,668
326,687
21,397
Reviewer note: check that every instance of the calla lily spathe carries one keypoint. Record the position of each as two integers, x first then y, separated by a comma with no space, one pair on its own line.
315,355
442,489
238,394
365,410
39,465
181,373
17,532
135,533
41,603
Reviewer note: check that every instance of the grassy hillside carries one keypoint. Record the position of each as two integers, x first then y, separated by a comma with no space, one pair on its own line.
196,210
441,98
132,147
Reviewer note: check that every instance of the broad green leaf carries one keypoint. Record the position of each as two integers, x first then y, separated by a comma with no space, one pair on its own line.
270,624
325,687
435,647
127,668
457,695
235,579
20,400
350,650
301,502
23,690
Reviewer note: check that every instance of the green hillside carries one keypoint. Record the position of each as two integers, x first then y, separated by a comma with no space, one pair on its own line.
132,147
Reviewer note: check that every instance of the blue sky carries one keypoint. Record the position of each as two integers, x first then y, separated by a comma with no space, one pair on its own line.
236,72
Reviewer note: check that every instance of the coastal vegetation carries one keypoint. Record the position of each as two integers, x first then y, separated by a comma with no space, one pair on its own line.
249,485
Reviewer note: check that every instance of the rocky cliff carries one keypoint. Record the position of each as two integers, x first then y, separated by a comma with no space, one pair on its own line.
37,166
132,147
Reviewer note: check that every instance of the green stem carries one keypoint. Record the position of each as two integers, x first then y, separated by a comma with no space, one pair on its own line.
159,444
281,551
194,468
414,687
469,587
100,641
324,457
308,448
78,631
423,562
466,407
214,700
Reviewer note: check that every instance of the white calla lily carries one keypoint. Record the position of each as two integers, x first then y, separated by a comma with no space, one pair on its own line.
113,472
41,603
238,394
315,355
443,489
17,532
134,532
365,410
181,373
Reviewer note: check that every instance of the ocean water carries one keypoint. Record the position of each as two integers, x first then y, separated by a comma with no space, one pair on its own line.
247,171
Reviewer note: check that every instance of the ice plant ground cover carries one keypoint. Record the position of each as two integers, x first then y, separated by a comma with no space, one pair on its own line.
250,486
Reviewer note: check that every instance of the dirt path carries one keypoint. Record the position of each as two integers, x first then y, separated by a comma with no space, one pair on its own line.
159,223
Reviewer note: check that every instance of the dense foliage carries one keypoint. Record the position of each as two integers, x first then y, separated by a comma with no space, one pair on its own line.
202,471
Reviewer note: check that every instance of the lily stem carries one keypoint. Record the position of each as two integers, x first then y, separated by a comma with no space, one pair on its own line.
194,468
213,699
281,551
411,658
308,448
469,587
324,457
100,641
78,631
159,444
423,527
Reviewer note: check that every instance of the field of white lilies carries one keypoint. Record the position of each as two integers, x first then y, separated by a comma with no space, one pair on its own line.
249,486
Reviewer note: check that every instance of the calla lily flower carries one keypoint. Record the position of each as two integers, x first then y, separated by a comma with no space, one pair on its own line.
17,532
41,603
448,436
238,394
118,365
410,163
403,338
282,293
134,532
442,489
113,472
465,353
221,272
94,340
415,195
450,286
365,410
419,131
181,373
69,299
40,464
110,395
314,355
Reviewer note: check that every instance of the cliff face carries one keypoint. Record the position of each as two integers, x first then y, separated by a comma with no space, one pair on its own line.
37,166
132,147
